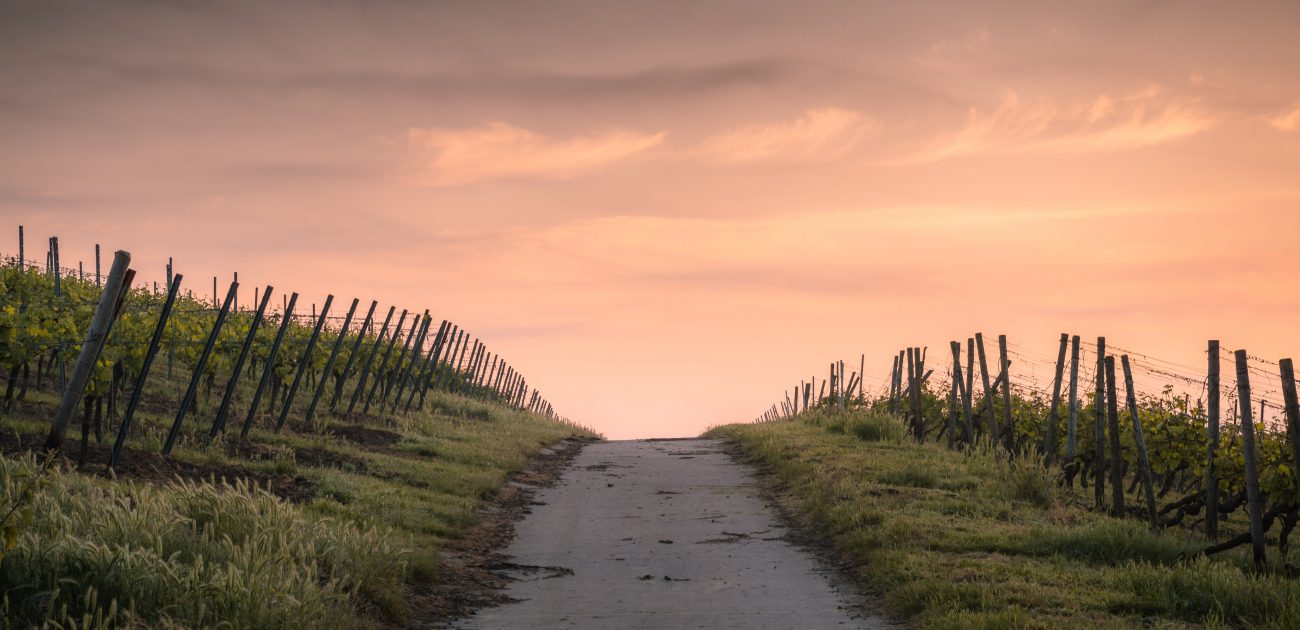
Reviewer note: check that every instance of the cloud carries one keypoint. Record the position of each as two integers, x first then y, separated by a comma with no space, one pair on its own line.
457,157
1104,123
820,134
955,55
1286,121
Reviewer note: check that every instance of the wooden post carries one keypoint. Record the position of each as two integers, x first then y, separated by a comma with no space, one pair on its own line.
1008,422
1212,443
100,326
1053,414
991,424
911,378
214,291
54,262
383,364
416,348
893,386
99,280
960,383
22,250
235,306
862,377
1099,434
329,363
1116,458
124,428
417,330
352,356
952,396
285,320
370,360
193,388
1292,406
1253,501
1144,461
304,363
219,422
918,389
1072,425
431,365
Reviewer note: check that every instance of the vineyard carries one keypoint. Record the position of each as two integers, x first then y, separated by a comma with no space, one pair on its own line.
1204,466
322,457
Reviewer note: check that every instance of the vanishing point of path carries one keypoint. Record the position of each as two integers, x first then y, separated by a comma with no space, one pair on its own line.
662,534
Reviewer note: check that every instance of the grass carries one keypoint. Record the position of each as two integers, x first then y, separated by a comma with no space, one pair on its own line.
102,552
951,540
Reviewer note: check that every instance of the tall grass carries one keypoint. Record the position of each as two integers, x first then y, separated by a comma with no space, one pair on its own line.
190,554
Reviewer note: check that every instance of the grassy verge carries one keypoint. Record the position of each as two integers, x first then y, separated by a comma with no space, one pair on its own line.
327,528
955,540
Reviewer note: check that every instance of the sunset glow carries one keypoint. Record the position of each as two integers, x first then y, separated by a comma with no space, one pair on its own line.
667,212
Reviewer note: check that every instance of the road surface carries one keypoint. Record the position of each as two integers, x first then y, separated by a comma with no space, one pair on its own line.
662,534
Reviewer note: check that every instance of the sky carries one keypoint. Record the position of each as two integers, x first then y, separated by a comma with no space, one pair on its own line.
665,213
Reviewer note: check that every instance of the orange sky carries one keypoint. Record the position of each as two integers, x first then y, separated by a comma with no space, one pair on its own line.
664,212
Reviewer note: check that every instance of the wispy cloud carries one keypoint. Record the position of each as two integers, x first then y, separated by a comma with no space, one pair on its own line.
1105,123
820,134
952,55
1288,120
457,157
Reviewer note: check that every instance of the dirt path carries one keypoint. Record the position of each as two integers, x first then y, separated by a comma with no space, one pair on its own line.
662,534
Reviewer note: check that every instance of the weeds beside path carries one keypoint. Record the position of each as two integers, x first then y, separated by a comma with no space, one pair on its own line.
972,541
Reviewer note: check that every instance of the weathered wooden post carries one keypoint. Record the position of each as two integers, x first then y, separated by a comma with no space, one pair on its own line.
219,422
989,421
91,347
125,427
370,360
1292,406
304,363
1072,425
329,363
1008,422
352,355
267,370
1144,461
1116,459
1053,414
1253,502
1212,443
193,388
1099,433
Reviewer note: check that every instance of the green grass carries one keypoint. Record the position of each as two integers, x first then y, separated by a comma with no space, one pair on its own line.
101,552
952,540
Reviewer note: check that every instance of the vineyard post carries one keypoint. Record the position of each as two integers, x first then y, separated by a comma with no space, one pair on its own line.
961,381
1008,423
1292,417
383,363
1116,460
55,265
1253,501
453,340
1099,433
269,368
918,409
352,356
214,291
305,362
22,249
193,388
405,376
329,363
845,386
124,428
952,400
1144,460
100,325
235,306
990,424
99,280
893,384
1072,425
1212,443
430,364
370,361
911,377
458,353
394,375
219,422
1053,414
169,270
